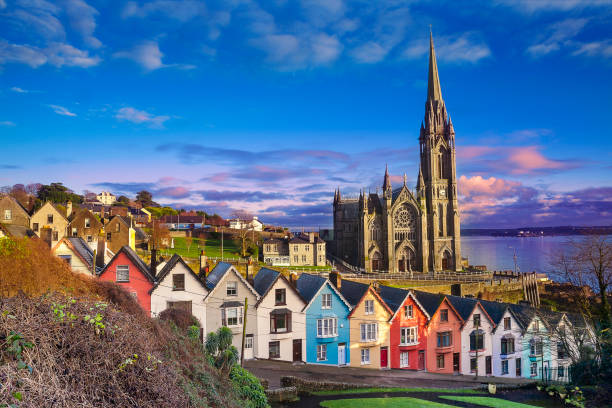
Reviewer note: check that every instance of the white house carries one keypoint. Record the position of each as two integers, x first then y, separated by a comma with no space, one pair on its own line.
254,224
106,198
178,286
225,305
476,341
508,346
77,253
281,322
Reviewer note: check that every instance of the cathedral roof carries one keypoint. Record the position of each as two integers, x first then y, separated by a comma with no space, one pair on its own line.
434,91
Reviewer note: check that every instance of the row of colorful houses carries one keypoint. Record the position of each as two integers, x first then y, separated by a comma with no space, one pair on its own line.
328,320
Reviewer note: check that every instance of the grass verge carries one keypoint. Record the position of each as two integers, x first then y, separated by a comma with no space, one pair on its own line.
399,402
487,401
395,389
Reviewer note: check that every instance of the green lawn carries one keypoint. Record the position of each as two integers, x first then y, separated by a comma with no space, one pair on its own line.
390,389
487,401
399,402
211,246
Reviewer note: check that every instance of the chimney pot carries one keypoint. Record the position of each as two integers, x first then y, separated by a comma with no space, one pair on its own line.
311,237
336,279
154,262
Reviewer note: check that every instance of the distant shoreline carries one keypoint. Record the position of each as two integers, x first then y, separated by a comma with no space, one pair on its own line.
533,232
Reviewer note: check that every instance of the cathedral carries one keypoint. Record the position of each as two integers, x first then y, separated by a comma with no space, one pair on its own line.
402,230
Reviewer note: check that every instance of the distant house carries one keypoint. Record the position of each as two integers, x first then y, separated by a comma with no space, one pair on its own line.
118,233
178,286
106,198
281,321
77,253
240,224
12,212
182,222
84,224
327,323
307,250
129,271
276,252
225,305
140,216
370,327
49,224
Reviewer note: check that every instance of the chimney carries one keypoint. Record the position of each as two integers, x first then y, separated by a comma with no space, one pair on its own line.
203,263
311,237
336,279
100,252
293,277
376,286
249,273
68,208
153,269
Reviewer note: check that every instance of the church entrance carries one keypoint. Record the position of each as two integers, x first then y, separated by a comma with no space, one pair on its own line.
376,261
405,261
447,261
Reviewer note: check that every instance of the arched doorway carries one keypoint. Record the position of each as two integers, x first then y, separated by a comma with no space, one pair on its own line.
405,260
376,261
447,261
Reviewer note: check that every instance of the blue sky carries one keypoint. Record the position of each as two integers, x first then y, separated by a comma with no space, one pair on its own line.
268,106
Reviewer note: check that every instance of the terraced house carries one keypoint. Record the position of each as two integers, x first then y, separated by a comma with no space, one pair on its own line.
327,323
508,345
49,223
443,336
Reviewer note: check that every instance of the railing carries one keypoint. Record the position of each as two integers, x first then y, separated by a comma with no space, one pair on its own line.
556,375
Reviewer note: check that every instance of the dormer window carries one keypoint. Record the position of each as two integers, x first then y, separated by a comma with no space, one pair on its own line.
326,301
280,297
507,323
444,315
178,281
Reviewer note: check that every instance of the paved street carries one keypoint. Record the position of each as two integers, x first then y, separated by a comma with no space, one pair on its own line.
274,370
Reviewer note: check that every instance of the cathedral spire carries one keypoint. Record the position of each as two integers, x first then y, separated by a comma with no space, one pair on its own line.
387,179
434,92
421,182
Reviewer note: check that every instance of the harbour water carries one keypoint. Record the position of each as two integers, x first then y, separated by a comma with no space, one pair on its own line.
497,253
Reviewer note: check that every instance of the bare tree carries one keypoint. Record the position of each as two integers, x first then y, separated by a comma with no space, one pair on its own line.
160,236
188,242
243,233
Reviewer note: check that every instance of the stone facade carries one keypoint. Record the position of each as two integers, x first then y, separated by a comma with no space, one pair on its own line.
118,234
306,249
49,224
276,252
84,224
11,212
404,230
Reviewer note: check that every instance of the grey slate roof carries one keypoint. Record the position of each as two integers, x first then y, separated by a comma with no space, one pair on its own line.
308,285
464,306
216,274
522,314
133,256
305,239
494,309
168,266
393,297
353,291
429,301
264,279
83,250
17,231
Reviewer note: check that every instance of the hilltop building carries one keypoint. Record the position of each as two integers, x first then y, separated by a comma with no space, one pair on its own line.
402,230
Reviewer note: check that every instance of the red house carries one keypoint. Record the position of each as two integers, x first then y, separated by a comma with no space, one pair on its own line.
407,335
128,270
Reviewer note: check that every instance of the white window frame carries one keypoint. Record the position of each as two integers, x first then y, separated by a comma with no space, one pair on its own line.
369,307
505,367
369,332
327,327
124,269
238,311
326,301
87,223
321,352
534,369
8,214
409,311
235,289
248,342
409,336
365,356
404,359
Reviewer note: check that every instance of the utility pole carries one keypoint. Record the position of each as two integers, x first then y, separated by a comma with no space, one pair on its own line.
221,243
244,322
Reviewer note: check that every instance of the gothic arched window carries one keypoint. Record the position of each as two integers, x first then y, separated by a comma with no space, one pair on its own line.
375,233
404,223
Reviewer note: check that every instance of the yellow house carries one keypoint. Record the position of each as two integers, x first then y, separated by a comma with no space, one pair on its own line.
369,327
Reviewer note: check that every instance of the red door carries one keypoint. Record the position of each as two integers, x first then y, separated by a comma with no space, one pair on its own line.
421,359
383,357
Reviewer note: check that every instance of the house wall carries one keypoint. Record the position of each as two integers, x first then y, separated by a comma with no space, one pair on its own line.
298,323
17,214
117,239
499,333
434,327
466,354
299,250
358,317
76,263
401,320
92,232
338,310
543,360
139,285
59,224
194,292
215,299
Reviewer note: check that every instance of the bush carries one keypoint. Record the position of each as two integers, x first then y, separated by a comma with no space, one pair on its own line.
248,387
183,319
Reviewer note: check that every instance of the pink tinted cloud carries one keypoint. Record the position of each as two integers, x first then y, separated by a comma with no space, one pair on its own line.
492,187
470,152
526,160
173,192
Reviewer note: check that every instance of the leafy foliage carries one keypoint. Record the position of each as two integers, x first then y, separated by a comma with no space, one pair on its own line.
248,387
219,348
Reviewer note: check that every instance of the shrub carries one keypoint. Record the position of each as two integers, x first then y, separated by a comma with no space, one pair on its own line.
180,317
248,387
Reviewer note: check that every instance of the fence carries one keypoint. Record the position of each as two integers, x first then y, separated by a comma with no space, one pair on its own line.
555,375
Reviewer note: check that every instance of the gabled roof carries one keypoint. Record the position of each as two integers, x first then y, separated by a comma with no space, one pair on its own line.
495,310
17,231
353,291
395,298
168,266
429,301
309,287
61,213
522,314
263,283
135,259
552,318
219,271
465,307
80,249
11,198
371,289
305,239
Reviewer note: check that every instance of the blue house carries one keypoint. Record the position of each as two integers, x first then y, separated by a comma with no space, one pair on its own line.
327,324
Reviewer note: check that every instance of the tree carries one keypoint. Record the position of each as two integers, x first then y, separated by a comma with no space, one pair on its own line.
188,242
57,193
19,193
219,347
89,195
160,235
146,199
243,233
123,199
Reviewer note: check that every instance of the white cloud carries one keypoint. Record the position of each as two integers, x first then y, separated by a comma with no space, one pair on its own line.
595,48
2,4
182,10
559,35
19,90
83,20
60,54
146,54
138,116
60,110
44,23
7,123
21,54
369,53
531,6
464,48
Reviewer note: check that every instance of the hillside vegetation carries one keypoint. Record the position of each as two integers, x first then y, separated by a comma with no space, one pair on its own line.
68,340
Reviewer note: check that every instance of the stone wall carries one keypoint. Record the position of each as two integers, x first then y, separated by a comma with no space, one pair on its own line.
285,394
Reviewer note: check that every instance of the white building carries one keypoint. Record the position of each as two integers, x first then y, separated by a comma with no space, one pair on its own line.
281,322
239,224
507,346
106,198
476,341
179,287
77,253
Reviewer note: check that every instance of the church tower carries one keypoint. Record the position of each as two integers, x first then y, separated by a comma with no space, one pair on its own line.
439,178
